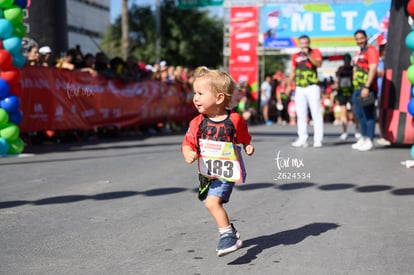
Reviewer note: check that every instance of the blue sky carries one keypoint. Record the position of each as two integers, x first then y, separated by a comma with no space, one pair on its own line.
116,7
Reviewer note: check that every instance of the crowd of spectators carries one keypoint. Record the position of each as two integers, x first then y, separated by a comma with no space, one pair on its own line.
129,70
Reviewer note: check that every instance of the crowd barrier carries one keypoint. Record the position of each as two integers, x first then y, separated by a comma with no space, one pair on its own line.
55,99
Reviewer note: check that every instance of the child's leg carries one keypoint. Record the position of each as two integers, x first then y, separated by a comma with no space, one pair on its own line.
215,206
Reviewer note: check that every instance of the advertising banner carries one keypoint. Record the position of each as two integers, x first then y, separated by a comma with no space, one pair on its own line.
54,99
243,64
328,25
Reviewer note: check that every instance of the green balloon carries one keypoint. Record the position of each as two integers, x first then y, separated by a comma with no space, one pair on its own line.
16,146
4,117
14,14
410,74
10,132
1,13
6,3
19,30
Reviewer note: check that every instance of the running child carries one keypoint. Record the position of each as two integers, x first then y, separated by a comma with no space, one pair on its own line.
216,127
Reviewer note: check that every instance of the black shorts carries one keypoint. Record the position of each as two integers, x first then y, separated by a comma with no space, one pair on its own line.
343,99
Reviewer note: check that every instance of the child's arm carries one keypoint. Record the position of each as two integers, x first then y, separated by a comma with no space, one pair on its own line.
189,154
249,149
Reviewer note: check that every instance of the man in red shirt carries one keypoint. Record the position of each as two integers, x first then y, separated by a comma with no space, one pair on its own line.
307,91
364,80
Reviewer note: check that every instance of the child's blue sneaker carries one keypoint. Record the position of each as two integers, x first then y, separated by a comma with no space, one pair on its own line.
229,242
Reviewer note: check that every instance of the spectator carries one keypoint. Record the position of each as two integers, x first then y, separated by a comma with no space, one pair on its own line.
244,105
101,62
171,75
344,93
365,81
117,69
45,53
66,62
282,102
132,69
89,65
265,94
307,92
78,57
32,56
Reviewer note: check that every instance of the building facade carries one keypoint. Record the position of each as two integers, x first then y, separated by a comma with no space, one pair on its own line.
87,20
62,25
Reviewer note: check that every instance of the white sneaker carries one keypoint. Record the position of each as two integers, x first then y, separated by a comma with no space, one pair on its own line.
317,144
344,136
366,145
356,145
358,135
300,143
383,142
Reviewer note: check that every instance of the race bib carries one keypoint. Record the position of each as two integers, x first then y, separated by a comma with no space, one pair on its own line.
222,160
345,82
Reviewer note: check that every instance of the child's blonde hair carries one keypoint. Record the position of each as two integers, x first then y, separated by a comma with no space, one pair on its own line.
221,82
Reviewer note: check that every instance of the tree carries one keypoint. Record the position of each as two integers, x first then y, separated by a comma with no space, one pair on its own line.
125,29
274,63
189,37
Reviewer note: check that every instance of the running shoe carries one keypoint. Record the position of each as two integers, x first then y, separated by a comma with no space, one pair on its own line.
358,144
344,136
300,143
228,242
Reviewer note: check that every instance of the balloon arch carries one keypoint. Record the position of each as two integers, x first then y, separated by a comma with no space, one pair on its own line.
12,31
397,98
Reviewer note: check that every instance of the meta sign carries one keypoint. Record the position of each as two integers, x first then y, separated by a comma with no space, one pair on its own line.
328,25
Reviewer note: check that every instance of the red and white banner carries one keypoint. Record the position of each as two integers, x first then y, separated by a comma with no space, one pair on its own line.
243,45
54,99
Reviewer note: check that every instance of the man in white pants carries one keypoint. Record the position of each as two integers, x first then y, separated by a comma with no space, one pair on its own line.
307,92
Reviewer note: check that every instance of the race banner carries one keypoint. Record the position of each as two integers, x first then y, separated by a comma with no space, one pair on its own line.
243,64
54,99
328,25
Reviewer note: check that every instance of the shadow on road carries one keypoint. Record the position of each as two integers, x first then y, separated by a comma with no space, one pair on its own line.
257,245
98,197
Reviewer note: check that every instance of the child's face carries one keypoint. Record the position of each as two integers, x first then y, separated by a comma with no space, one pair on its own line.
205,100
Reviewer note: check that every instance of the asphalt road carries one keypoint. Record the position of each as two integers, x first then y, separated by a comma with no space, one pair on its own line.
130,207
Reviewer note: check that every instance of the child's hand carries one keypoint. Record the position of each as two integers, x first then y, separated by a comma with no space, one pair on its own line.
189,154
249,149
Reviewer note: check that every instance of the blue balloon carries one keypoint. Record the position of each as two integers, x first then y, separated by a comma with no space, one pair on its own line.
4,146
6,28
15,117
21,3
10,103
4,88
18,60
13,45
410,106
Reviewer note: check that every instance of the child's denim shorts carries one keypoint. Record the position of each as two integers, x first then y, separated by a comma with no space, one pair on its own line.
221,189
